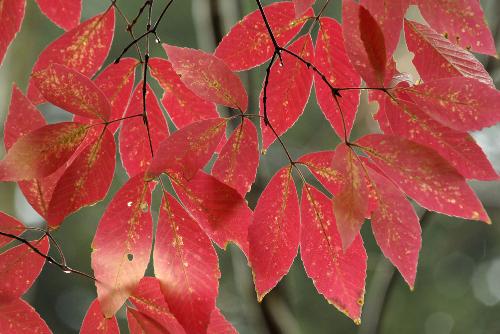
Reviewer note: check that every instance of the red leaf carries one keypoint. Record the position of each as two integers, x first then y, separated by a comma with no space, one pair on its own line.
331,59
337,274
9,225
122,244
116,82
230,168
192,147
183,106
41,152
458,148
321,165
150,302
66,13
460,103
135,150
274,233
301,6
424,175
19,268
18,317
351,203
288,90
248,43
72,91
396,227
208,77
461,21
219,324
187,266
221,212
389,16
82,49
86,181
364,43
96,323
139,323
436,57
11,16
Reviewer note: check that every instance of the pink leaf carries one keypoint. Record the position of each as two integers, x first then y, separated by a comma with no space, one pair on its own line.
321,165
11,16
9,225
301,6
331,59
221,212
219,324
116,82
72,91
424,175
208,77
85,181
135,149
18,317
41,152
288,90
274,233
19,268
248,43
82,49
183,106
396,227
337,274
96,323
436,57
193,146
122,244
461,21
365,44
187,266
460,103
230,168
64,13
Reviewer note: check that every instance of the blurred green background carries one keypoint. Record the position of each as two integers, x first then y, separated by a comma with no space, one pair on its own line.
458,282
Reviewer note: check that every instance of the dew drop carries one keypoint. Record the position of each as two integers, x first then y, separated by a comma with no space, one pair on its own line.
157,40
66,271
129,204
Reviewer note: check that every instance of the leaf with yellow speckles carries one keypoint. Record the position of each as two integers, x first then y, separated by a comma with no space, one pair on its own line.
320,164
331,59
208,77
395,226
82,49
85,181
116,82
41,152
274,232
11,16
189,149
72,91
19,268
18,317
182,105
9,225
151,304
122,244
458,148
436,57
66,14
460,103
424,175
135,151
364,43
96,323
248,44
351,203
230,168
461,21
186,265
337,274
221,212
219,324
288,90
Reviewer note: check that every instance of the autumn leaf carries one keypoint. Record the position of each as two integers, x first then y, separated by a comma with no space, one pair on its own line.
66,14
11,16
96,323
18,316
